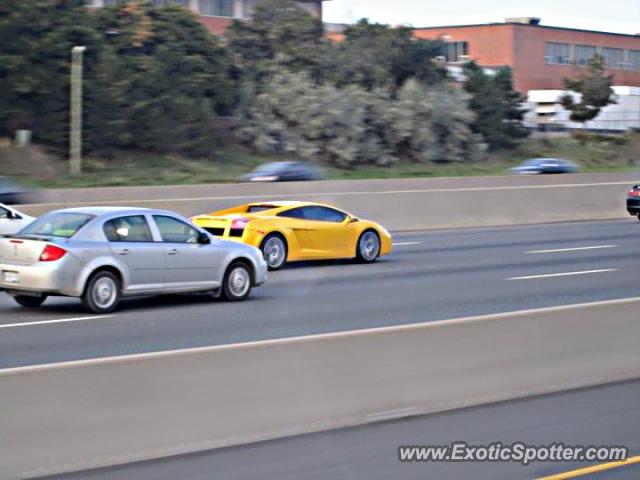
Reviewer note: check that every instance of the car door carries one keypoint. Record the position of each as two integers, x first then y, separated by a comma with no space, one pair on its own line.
330,232
131,242
294,221
188,263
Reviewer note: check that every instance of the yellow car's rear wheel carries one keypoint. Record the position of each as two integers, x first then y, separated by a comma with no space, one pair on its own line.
274,249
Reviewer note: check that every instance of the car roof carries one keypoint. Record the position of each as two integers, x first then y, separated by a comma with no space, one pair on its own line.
289,203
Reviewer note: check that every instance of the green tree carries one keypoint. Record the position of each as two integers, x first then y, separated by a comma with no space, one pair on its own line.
498,107
169,78
280,32
595,92
351,126
375,55
431,124
36,38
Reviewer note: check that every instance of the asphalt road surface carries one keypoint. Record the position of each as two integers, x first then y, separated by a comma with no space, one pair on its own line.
606,415
430,276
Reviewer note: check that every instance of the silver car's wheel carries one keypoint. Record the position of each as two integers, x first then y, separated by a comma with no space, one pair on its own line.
274,250
102,293
237,282
368,246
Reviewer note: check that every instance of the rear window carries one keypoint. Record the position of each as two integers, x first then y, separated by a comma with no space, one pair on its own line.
260,208
57,224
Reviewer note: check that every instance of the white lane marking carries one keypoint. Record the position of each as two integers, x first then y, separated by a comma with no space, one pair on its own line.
565,274
324,194
60,320
574,249
404,244
318,336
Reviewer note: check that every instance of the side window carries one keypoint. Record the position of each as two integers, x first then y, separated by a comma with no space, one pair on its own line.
298,213
173,230
128,229
325,214
4,213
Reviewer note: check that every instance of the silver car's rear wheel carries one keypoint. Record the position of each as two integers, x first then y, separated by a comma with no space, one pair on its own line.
274,250
237,282
368,246
102,293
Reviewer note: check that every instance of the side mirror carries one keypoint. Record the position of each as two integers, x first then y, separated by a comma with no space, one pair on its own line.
204,239
352,219
10,215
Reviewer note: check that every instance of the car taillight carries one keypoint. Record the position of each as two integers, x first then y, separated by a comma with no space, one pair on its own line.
51,253
239,223
634,193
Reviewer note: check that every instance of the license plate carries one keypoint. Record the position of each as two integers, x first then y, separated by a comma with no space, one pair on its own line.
11,277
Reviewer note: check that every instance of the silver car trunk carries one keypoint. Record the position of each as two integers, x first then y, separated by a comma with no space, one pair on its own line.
20,251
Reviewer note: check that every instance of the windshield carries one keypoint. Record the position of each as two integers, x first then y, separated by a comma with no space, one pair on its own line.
57,224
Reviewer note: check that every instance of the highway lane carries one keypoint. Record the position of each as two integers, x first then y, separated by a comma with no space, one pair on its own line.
431,276
606,415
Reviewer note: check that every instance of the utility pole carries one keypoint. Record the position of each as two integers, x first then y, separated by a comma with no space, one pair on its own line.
75,133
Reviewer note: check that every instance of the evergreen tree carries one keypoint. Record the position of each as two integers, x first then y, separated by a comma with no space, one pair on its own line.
595,92
375,55
498,107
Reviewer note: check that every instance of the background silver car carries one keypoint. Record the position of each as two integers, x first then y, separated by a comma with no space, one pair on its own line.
103,253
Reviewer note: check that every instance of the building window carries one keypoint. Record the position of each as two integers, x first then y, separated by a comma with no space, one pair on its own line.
634,59
557,53
217,8
584,53
457,52
613,57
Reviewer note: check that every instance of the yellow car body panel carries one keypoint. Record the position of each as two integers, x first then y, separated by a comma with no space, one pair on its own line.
306,239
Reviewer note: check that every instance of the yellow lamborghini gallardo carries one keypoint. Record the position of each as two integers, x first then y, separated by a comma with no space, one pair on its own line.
291,231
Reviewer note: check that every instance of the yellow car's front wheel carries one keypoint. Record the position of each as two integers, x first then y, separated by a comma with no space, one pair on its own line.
368,246
274,249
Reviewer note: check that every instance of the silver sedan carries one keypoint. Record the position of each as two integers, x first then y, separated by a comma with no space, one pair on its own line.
103,253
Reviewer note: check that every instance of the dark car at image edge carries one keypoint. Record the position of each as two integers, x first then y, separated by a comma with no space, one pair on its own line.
633,201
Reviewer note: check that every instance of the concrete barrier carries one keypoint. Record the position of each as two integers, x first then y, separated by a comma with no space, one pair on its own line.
77,415
400,204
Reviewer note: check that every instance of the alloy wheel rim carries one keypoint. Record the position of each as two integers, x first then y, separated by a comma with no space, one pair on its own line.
274,252
104,292
369,246
239,281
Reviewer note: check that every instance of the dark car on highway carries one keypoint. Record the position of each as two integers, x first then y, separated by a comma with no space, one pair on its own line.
545,165
633,201
291,171
12,193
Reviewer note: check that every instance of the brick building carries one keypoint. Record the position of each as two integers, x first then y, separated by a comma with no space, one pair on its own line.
540,56
217,15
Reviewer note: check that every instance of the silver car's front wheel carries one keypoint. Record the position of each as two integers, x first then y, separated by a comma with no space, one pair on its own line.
368,246
102,293
237,282
274,250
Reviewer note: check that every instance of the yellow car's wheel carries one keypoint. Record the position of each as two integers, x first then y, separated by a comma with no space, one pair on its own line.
368,246
274,249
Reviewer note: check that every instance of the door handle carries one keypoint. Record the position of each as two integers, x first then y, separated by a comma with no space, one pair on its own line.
173,251
124,251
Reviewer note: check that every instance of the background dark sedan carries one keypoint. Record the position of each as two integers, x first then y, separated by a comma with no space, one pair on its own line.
633,201
283,172
545,165
12,193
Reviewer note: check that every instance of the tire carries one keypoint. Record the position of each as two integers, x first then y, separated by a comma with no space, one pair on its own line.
236,285
274,250
30,302
368,247
102,293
